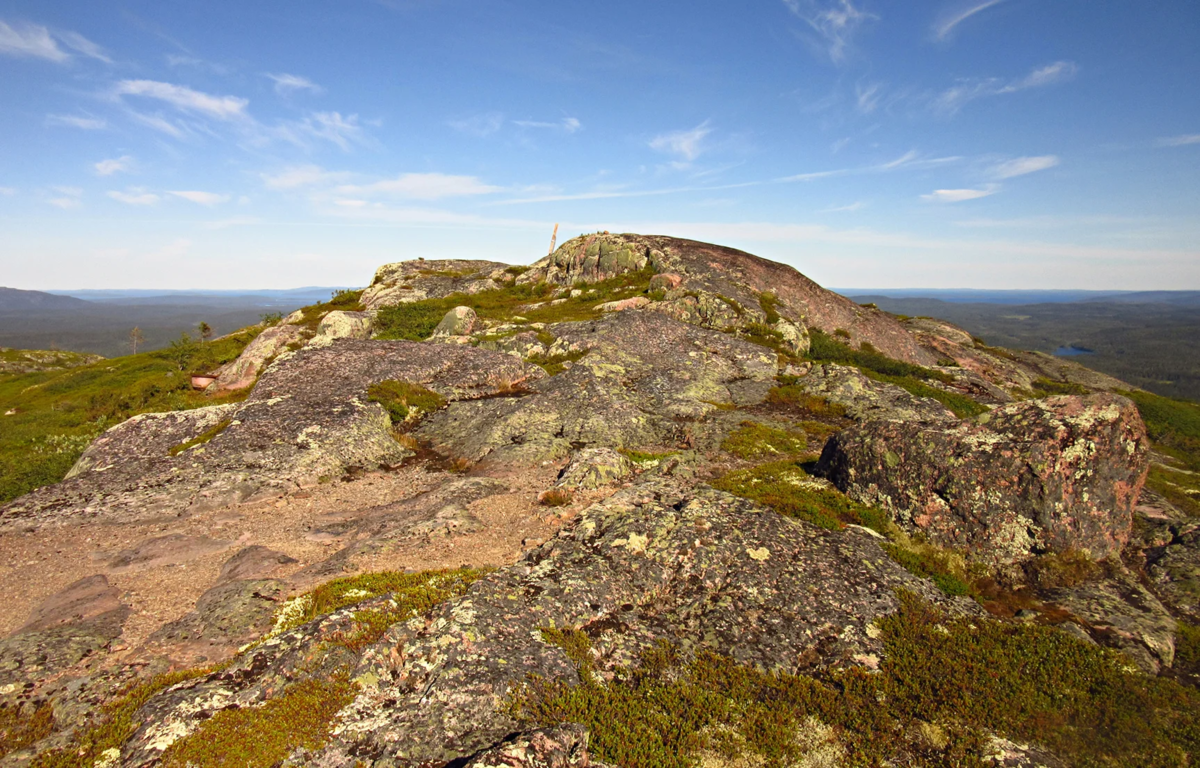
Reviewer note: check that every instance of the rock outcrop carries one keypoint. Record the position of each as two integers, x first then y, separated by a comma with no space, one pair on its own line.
1054,474
408,281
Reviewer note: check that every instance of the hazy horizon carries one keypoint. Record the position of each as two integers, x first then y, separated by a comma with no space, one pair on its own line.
991,144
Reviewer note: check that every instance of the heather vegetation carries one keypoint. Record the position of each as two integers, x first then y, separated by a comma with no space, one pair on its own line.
53,415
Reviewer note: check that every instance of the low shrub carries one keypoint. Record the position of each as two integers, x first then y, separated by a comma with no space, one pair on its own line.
792,396
785,487
753,441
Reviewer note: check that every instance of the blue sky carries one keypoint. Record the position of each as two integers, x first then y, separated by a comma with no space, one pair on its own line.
956,143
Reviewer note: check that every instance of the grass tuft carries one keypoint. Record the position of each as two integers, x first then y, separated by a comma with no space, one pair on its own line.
403,400
753,441
201,438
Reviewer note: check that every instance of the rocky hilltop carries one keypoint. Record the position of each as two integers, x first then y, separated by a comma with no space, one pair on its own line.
647,501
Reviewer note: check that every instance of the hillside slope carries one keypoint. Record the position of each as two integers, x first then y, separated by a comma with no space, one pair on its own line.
645,502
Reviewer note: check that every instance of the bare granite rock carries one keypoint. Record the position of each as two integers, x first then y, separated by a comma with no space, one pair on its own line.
1054,474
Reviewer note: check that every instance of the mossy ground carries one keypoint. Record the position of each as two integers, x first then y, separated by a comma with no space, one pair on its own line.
403,400
1174,427
531,302
788,489
261,737
21,727
943,686
57,413
753,441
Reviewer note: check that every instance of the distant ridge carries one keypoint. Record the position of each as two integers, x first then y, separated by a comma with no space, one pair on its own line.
15,299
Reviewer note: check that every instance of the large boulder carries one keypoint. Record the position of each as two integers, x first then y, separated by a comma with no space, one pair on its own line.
460,321
723,288
407,281
1055,474
257,355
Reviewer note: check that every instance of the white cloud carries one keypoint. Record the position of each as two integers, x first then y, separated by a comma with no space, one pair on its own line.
954,98
158,123
77,121
840,144
184,98
479,125
423,186
301,176
1023,165
958,195
1180,141
855,206
868,97
685,144
566,125
81,44
334,128
30,41
69,197
109,167
285,84
957,14
7,191
135,196
834,23
201,198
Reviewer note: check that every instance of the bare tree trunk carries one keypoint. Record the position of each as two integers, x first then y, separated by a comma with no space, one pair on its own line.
553,238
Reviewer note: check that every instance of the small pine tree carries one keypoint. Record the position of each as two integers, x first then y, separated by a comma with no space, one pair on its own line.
205,330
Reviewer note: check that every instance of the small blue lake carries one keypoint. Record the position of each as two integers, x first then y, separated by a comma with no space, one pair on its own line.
1073,350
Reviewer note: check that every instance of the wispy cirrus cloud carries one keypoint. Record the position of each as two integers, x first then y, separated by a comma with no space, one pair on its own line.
482,125
285,84
84,122
686,145
867,96
959,195
114,165
302,176
186,99
68,197
566,125
1179,141
421,186
1022,165
158,123
134,196
832,24
956,14
201,198
38,42
332,127
954,98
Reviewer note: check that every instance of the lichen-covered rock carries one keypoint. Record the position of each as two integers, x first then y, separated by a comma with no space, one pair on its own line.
712,275
868,400
620,305
644,377
307,418
1175,573
265,347
1054,474
227,616
663,560
460,321
408,281
343,325
563,747
595,468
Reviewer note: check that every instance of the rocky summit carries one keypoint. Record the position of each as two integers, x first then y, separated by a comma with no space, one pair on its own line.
645,502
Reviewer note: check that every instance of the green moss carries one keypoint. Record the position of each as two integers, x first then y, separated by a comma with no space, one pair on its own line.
785,487
114,724
943,684
201,438
262,736
1187,649
792,396
556,364
57,413
21,727
404,400
961,405
753,441
930,563
770,307
412,594
1044,387
826,349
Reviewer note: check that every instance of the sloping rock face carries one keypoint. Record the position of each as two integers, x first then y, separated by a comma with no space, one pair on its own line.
408,281
697,274
644,377
1054,474
868,400
307,418
659,561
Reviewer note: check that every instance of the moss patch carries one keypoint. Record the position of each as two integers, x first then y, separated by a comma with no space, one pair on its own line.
943,684
260,737
785,487
753,441
556,364
960,405
21,727
201,438
404,401
789,396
